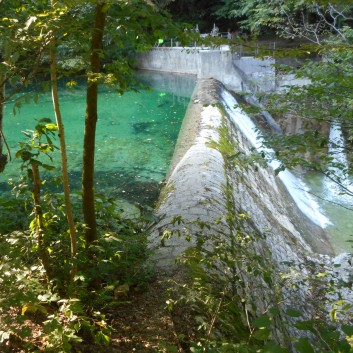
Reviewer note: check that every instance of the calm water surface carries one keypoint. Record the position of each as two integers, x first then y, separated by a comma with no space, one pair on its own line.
136,134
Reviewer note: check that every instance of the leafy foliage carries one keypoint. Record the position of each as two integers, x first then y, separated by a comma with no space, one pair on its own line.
289,19
60,320
63,312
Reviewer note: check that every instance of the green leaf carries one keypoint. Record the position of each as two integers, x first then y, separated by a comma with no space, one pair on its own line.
333,314
347,329
51,325
101,338
305,326
272,347
263,321
262,334
322,275
274,311
293,313
303,346
18,154
48,167
51,127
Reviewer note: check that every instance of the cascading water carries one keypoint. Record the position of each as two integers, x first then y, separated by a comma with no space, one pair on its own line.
295,186
335,200
341,191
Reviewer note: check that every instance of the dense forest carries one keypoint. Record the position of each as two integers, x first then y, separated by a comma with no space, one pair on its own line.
75,274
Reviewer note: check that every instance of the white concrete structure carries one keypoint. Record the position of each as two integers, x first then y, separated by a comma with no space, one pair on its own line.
195,191
221,64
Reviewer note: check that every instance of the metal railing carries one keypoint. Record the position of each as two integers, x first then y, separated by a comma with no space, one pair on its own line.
241,50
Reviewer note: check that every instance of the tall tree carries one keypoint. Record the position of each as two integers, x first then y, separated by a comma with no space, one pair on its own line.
132,26
3,157
90,124
63,154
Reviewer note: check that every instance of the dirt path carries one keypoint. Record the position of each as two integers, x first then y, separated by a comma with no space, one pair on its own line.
144,324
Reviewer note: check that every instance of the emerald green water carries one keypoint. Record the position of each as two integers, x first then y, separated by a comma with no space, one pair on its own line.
136,134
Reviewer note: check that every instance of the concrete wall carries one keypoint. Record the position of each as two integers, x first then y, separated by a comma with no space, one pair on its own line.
184,61
181,85
196,178
195,191
260,72
290,80
220,64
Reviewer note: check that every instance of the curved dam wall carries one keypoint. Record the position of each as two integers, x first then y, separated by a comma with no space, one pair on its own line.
195,193
197,175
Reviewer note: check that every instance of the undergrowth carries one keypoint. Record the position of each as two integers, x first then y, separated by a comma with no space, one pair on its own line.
61,315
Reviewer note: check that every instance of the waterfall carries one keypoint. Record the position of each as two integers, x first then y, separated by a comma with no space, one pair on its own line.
333,191
294,185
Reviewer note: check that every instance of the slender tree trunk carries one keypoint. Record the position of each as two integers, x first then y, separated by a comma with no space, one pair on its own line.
39,227
65,175
89,213
3,157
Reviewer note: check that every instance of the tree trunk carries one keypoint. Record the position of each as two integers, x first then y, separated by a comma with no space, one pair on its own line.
65,176
39,224
3,157
90,127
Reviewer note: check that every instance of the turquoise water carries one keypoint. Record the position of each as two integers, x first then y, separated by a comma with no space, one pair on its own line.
338,208
136,134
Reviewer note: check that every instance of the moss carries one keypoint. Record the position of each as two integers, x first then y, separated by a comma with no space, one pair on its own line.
169,188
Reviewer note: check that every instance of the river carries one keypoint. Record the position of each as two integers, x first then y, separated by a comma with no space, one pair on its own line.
136,134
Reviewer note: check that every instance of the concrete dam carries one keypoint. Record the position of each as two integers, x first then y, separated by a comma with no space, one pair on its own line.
207,183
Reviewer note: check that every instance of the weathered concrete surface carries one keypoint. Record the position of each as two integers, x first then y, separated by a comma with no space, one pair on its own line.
222,65
260,73
178,60
195,191
196,179
290,80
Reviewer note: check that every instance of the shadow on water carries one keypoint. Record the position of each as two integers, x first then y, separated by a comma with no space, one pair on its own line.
118,184
123,185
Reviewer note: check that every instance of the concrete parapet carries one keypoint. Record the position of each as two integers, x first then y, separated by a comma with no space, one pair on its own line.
220,64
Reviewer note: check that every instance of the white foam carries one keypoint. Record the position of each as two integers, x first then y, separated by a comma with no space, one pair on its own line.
296,187
333,191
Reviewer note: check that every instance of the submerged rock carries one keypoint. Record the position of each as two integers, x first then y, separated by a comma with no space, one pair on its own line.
142,127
